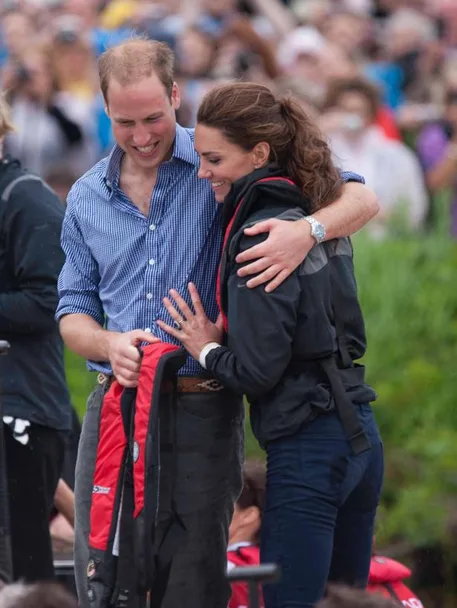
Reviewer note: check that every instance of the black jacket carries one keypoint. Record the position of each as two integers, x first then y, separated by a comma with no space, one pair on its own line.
275,340
32,377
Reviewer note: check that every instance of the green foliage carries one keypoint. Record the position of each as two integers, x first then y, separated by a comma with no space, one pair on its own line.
407,290
409,297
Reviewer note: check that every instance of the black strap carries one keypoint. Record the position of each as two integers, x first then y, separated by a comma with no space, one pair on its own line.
176,532
345,408
392,593
125,593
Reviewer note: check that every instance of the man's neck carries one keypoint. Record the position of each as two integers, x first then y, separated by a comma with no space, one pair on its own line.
130,169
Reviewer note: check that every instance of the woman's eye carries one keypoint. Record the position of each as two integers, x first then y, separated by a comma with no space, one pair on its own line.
214,161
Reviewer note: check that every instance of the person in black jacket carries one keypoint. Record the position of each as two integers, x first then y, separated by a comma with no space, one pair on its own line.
35,398
291,351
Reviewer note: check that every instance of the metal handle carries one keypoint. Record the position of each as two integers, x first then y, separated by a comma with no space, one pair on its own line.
264,573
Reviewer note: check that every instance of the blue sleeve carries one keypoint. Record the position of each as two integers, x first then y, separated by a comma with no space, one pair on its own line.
79,279
350,176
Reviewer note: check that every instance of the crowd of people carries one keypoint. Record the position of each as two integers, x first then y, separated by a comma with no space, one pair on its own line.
379,76
99,158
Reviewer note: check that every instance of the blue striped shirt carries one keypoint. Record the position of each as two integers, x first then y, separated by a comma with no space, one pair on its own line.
120,264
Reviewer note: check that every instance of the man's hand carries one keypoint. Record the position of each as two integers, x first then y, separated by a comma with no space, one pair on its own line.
275,259
125,357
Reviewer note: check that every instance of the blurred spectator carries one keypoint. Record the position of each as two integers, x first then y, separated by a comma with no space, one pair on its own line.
18,33
61,178
36,403
40,595
348,31
437,148
50,125
390,168
342,597
72,62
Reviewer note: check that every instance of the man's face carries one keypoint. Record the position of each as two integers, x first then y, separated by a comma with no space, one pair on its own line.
143,120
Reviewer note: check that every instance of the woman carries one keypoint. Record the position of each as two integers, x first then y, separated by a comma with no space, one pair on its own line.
291,351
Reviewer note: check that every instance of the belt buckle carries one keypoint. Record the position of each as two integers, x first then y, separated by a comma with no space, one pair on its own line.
211,385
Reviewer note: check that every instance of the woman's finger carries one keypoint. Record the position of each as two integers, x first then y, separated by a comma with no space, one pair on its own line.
196,301
170,330
174,314
184,308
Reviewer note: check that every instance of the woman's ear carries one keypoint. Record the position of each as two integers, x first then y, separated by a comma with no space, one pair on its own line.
261,154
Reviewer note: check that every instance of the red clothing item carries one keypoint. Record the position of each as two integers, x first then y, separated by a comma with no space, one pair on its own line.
386,578
385,120
243,554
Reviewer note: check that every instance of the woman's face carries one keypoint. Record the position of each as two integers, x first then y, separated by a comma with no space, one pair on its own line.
222,162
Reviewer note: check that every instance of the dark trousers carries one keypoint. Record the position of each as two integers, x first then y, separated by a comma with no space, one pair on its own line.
320,509
33,471
205,480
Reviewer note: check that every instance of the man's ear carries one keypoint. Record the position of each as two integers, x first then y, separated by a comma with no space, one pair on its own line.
175,98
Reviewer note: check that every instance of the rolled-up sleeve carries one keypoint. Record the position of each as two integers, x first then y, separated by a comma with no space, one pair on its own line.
350,176
79,279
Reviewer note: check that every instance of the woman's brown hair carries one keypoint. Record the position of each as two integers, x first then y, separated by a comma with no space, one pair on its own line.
248,113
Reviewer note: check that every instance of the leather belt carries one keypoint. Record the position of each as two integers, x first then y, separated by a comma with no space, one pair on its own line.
185,384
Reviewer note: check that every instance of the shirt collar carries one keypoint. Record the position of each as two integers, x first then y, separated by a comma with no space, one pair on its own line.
240,545
183,149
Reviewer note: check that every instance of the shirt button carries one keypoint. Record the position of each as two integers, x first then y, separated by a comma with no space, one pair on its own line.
149,296
148,330
152,227
151,262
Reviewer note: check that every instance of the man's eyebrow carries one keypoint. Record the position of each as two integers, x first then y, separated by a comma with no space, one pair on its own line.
123,119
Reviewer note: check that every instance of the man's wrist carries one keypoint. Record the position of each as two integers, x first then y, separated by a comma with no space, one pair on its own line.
317,229
204,352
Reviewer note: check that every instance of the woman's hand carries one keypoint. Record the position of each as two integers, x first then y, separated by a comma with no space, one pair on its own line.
193,330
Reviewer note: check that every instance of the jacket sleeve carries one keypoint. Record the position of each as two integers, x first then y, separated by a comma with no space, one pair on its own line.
261,330
33,219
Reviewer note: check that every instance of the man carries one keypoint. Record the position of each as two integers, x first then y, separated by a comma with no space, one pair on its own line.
36,403
137,224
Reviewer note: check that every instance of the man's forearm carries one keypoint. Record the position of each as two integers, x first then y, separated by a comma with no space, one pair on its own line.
356,206
85,337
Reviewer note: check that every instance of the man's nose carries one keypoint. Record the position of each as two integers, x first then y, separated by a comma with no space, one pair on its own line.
141,136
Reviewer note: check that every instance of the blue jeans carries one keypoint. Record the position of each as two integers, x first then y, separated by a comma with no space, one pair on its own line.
320,509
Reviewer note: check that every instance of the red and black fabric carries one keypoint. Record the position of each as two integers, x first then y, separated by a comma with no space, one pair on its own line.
387,578
243,556
335,367
126,488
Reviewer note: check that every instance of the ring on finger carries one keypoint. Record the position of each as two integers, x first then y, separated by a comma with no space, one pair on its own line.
178,324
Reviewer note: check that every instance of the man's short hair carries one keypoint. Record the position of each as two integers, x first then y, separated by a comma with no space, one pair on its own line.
135,59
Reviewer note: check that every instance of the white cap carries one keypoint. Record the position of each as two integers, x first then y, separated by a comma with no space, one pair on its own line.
302,41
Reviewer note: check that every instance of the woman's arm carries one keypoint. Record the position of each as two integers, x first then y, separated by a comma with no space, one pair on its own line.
261,330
